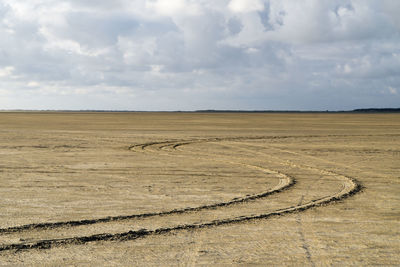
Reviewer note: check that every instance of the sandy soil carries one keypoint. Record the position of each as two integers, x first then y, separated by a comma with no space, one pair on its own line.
194,189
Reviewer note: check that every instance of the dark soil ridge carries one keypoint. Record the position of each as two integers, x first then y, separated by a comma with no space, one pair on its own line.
44,226
131,235
52,225
177,143
144,232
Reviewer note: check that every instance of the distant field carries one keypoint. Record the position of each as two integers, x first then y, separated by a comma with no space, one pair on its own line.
199,189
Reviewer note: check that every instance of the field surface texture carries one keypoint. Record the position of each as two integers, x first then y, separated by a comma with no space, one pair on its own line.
193,189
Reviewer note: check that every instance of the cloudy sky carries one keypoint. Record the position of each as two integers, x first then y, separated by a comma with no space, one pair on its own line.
199,54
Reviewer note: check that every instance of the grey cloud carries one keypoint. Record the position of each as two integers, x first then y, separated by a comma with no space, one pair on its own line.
234,25
319,54
94,30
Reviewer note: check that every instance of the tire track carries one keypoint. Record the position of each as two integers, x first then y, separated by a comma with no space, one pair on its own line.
350,187
285,183
303,240
131,235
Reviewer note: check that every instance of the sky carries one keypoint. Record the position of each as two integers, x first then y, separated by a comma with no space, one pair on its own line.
199,54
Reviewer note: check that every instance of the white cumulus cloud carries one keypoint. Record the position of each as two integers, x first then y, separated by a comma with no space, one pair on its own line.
197,54
6,71
240,6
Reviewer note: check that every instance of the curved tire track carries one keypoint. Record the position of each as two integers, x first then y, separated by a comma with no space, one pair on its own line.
350,187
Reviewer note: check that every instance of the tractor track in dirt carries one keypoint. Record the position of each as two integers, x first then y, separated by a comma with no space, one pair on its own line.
349,188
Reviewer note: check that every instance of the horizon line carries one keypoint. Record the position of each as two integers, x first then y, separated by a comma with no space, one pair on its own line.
358,110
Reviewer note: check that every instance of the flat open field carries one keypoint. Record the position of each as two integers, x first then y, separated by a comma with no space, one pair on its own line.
199,189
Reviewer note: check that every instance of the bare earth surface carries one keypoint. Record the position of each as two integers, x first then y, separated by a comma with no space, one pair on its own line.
192,189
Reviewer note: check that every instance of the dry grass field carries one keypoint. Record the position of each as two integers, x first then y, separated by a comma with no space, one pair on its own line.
192,189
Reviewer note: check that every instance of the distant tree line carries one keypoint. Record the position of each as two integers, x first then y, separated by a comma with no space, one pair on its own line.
361,110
